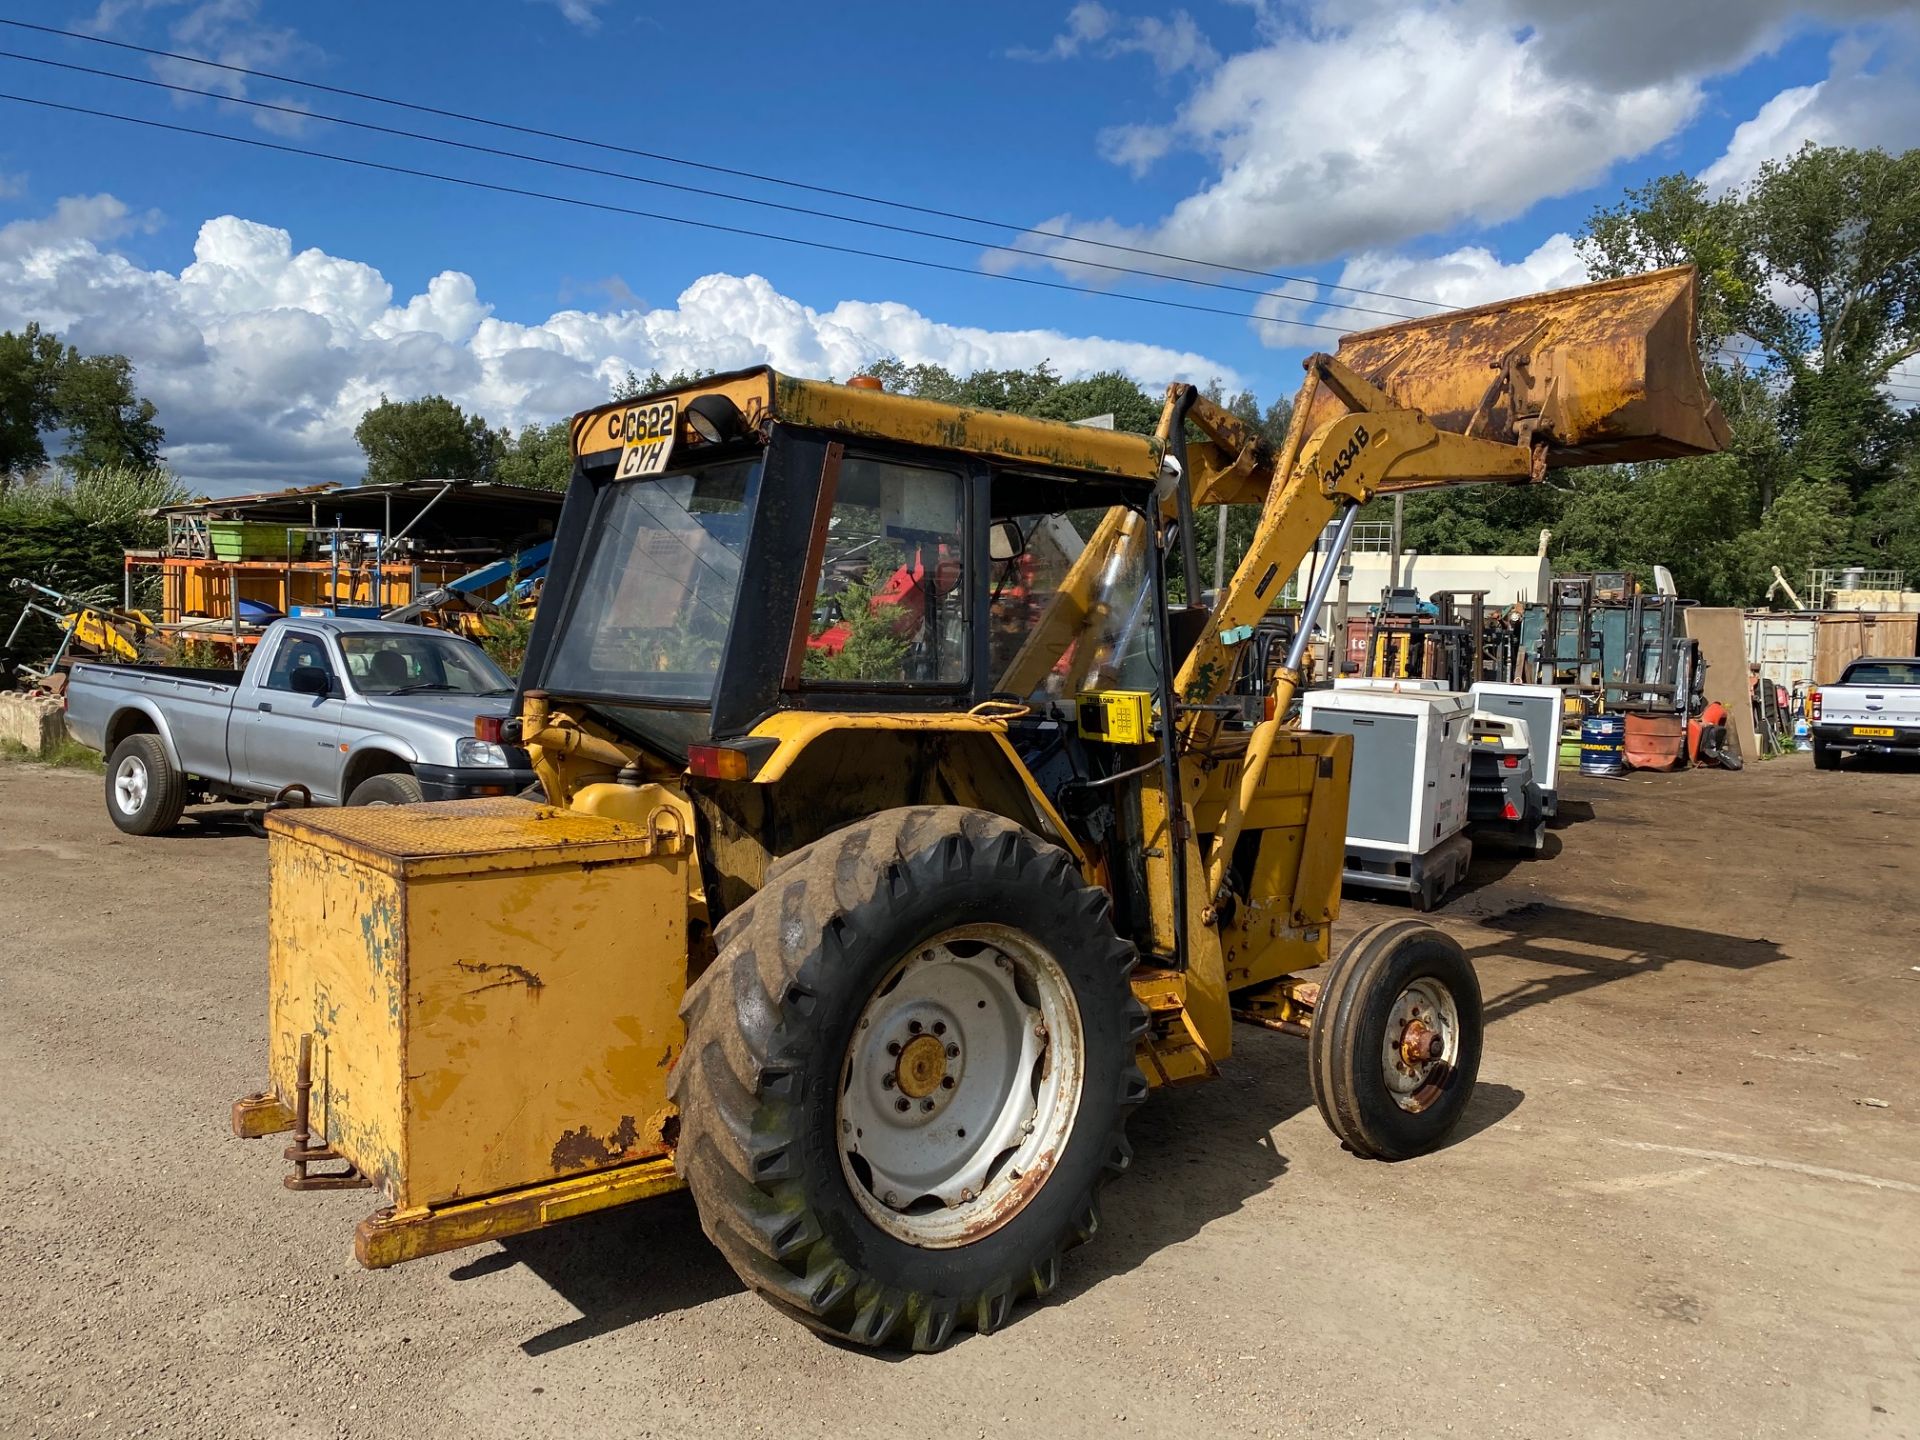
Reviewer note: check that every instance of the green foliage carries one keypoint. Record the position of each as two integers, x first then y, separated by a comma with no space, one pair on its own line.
874,650
540,456
197,654
504,637
426,439
70,534
47,387
67,754
632,385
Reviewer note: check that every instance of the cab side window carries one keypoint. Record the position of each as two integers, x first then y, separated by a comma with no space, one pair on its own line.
297,652
891,604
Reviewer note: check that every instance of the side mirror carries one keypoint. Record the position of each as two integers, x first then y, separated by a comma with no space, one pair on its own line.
1005,542
309,680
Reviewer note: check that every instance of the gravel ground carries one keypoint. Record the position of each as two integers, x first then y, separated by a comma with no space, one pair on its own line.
1684,1201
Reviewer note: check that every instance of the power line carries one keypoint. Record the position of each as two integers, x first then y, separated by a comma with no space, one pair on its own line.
609,208
600,172
660,157
1899,387
666,159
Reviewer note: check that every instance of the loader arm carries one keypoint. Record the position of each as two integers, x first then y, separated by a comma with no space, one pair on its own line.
1593,375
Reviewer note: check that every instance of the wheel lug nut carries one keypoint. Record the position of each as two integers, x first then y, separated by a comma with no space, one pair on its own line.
927,1105
946,1082
913,1027
887,1081
953,1052
939,1027
903,1104
893,1047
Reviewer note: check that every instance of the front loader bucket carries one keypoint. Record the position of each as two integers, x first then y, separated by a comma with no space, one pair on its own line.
1610,370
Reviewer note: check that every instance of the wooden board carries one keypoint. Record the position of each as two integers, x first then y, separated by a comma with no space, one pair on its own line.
1844,636
1723,645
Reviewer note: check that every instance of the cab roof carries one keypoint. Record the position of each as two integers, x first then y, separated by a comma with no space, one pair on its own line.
763,395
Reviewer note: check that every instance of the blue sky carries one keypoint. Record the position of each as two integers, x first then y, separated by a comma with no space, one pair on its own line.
1445,149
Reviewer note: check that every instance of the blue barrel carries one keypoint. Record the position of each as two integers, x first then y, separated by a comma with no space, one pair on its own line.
1603,745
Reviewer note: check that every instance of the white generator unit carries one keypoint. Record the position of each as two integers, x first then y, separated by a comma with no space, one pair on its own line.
1541,707
1407,806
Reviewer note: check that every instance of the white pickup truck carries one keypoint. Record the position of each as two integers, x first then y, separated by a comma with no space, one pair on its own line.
1875,708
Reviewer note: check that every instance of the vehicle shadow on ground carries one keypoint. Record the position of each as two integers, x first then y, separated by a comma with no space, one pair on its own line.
617,1268
1199,1153
1203,1152
233,824
1570,812
1591,950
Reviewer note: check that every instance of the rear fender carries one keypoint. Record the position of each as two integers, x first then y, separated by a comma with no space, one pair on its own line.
133,717
829,771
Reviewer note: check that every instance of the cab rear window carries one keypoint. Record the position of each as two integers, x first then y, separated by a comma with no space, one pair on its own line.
1882,672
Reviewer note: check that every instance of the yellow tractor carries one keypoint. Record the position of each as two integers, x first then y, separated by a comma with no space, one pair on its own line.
896,835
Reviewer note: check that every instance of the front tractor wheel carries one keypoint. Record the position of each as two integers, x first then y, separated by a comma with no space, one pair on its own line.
907,1074
1394,1047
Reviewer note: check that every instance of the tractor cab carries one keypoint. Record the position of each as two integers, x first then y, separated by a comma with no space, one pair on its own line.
754,543
740,554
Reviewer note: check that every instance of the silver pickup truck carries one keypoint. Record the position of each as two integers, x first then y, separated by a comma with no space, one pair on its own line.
1874,708
360,712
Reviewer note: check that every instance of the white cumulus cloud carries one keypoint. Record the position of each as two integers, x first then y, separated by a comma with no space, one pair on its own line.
1871,97
1173,44
1349,124
1375,283
262,357
1376,129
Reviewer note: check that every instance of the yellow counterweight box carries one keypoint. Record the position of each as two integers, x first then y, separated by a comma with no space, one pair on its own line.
489,989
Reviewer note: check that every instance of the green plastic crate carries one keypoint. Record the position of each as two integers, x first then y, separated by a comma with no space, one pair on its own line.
246,540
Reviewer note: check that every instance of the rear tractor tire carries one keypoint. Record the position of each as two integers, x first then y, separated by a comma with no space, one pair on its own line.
907,1074
145,794
1394,1047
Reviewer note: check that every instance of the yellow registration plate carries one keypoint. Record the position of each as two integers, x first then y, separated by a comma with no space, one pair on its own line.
1883,732
646,435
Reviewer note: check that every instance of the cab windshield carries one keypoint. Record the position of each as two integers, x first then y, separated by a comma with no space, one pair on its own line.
656,594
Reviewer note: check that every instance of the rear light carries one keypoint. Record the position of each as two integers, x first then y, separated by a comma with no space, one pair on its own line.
1512,762
1814,698
716,762
1512,812
487,727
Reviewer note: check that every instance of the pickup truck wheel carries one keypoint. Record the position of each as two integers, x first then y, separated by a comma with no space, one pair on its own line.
1825,757
145,794
387,790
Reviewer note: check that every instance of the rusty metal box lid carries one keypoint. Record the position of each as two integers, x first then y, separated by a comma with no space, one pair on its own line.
461,837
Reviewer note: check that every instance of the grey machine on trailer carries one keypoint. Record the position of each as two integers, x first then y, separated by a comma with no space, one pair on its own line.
1407,809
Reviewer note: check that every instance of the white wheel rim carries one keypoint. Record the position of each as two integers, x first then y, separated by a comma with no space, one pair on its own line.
130,785
1421,1046
978,1036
